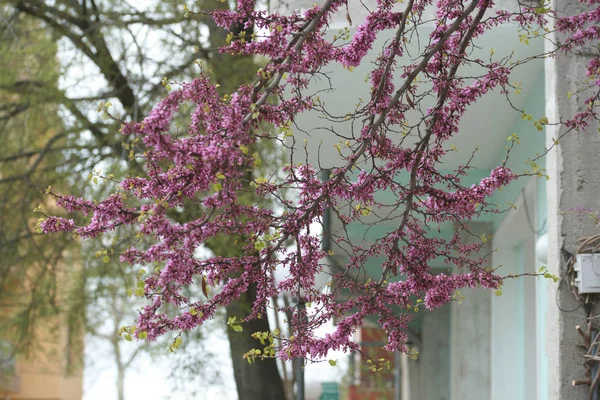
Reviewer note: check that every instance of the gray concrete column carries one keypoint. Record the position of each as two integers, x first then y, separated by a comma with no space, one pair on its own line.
470,333
574,170
413,376
434,377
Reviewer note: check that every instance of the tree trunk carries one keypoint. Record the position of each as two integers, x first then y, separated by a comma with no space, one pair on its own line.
260,380
120,367
121,384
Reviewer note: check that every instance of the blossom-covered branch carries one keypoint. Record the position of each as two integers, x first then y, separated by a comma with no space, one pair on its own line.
416,102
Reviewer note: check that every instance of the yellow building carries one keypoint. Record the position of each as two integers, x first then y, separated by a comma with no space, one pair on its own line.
41,375
40,350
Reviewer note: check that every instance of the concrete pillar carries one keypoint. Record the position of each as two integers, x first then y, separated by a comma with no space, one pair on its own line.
470,333
575,182
413,369
410,378
434,357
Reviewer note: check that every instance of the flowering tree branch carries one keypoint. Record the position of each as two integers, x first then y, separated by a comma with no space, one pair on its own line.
208,166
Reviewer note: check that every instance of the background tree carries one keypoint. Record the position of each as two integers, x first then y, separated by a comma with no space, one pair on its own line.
33,288
120,54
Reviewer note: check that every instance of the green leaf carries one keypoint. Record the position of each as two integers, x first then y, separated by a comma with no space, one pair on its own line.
257,160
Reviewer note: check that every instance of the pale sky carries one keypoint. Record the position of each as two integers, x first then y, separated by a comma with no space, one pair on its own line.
149,380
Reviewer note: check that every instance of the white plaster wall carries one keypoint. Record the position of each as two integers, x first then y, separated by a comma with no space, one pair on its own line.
553,168
359,9
513,322
343,90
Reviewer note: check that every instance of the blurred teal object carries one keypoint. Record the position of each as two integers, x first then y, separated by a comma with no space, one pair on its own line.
329,391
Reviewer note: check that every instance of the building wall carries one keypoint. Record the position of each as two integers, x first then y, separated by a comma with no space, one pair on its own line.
513,329
358,10
508,324
573,166
50,367
541,291
434,356
43,375
470,370
33,286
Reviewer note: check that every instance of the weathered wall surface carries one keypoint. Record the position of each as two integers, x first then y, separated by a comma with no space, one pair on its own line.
575,182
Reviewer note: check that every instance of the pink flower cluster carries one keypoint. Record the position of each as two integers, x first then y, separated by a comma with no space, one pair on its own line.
57,224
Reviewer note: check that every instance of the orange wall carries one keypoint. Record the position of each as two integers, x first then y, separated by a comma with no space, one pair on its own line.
42,376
